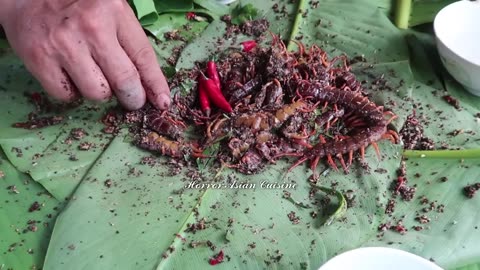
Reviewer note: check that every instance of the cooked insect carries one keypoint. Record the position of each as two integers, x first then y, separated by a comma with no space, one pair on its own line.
269,103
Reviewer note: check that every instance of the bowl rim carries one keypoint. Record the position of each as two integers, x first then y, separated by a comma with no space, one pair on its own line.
435,29
389,250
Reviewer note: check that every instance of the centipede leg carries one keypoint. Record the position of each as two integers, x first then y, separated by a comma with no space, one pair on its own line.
231,166
303,143
389,137
314,164
200,155
329,157
377,150
325,61
296,164
354,119
362,153
334,121
287,155
350,158
392,116
301,47
392,136
335,109
308,110
312,133
350,118
357,123
325,105
331,162
342,162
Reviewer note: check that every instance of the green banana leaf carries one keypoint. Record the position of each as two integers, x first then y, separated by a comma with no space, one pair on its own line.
146,218
410,13
44,153
25,235
174,21
149,12
164,6
146,12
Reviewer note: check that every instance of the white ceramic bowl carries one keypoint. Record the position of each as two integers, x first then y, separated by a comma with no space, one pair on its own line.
378,258
457,28
226,2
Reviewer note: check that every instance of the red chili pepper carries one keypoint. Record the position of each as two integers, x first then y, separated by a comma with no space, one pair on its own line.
216,259
190,15
214,94
203,98
248,45
213,73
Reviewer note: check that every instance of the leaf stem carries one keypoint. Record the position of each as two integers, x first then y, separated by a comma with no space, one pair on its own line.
468,153
342,204
296,23
402,13
183,227
425,12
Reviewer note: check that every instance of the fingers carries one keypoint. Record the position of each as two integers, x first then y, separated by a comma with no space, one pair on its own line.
88,77
122,75
54,80
136,45
91,55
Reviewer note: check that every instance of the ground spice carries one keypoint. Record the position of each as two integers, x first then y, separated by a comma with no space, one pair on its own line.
423,219
412,135
36,122
384,227
452,101
85,146
399,228
470,190
390,207
78,133
34,207
400,187
292,216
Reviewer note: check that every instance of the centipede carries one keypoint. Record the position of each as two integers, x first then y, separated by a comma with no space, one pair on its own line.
299,105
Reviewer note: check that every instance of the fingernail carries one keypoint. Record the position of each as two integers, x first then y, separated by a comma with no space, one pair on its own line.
132,98
163,101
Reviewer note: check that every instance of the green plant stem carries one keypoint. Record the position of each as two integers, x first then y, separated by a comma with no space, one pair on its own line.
469,153
402,13
342,204
425,12
296,24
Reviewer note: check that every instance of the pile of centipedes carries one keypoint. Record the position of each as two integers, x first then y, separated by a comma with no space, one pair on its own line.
299,105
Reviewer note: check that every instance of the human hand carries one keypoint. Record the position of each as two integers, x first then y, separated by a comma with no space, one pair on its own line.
86,47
